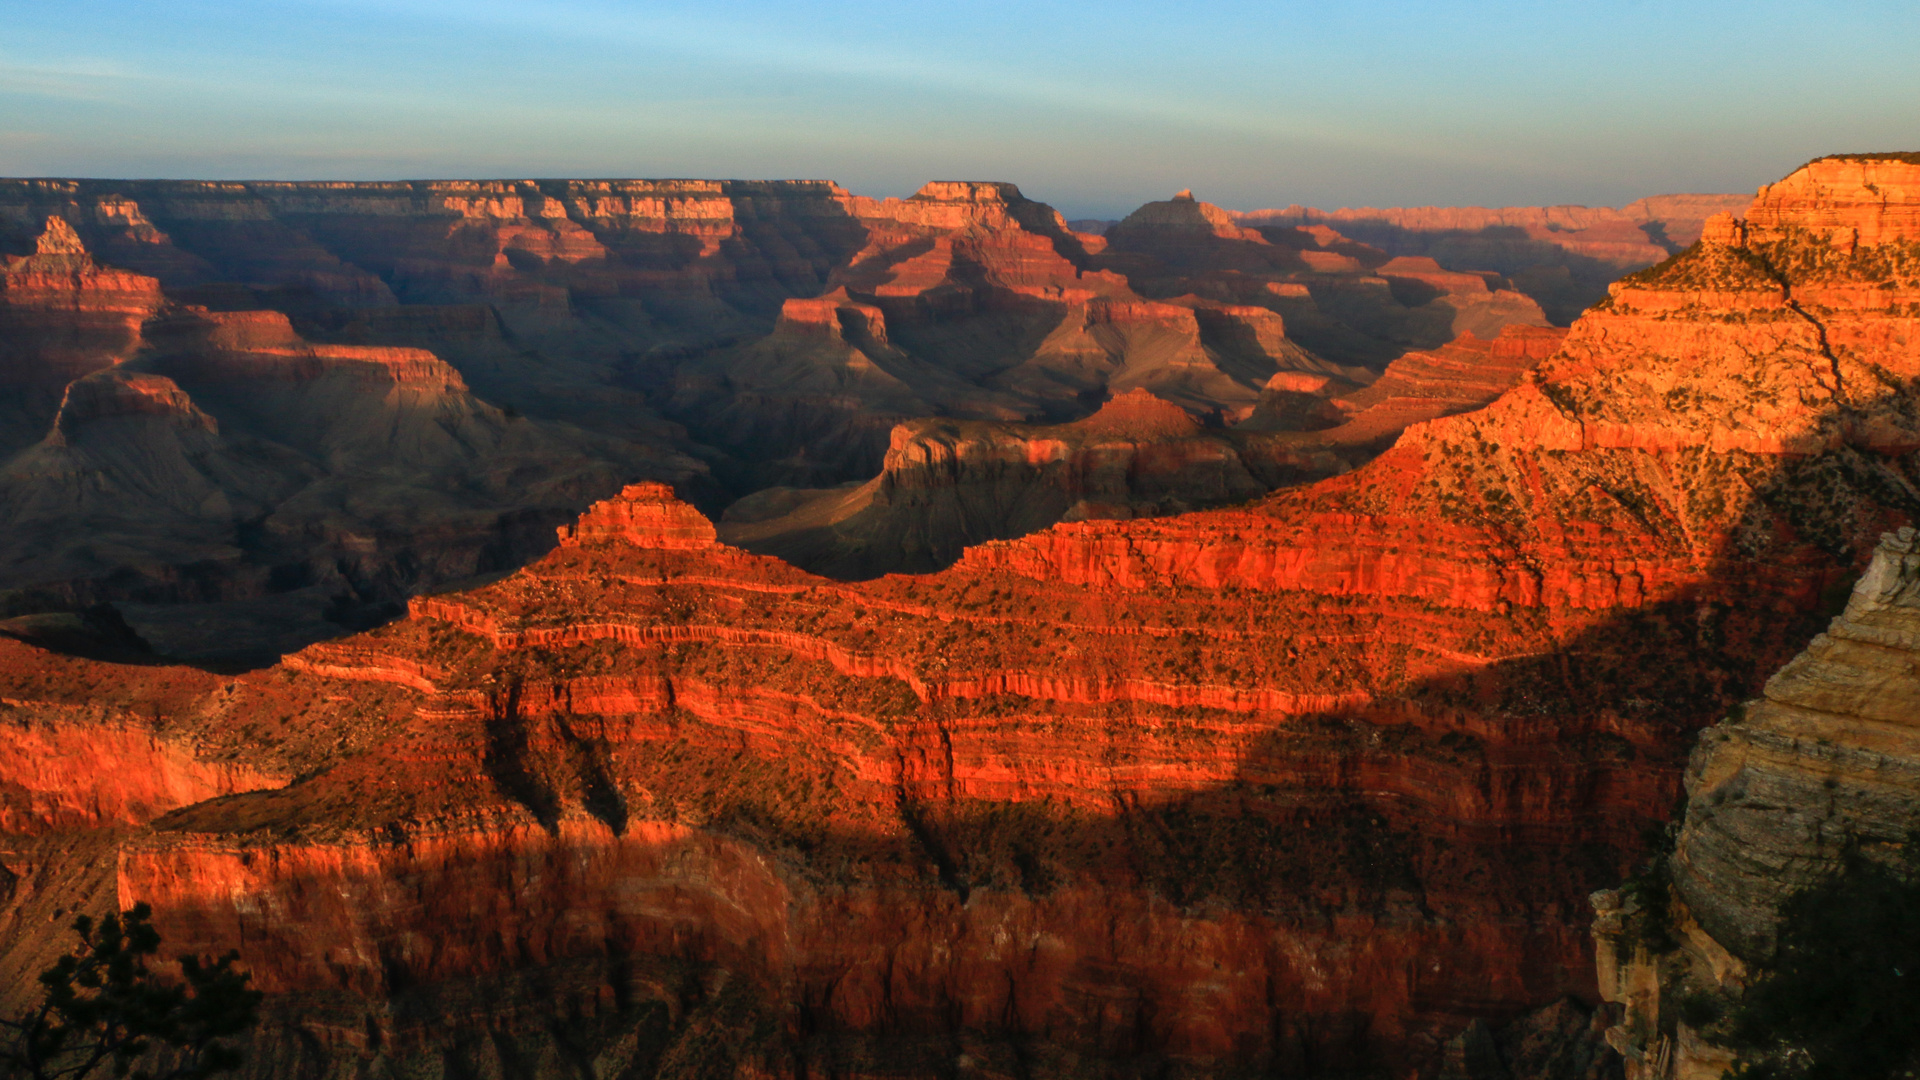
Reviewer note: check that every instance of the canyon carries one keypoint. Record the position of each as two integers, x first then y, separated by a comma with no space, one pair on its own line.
948,484
1307,785
253,415
1562,256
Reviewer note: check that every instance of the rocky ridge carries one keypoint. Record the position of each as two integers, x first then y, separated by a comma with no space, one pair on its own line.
889,822
1303,786
948,484
1562,256
720,335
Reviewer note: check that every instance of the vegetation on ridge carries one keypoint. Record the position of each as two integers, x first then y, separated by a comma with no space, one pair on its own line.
1905,157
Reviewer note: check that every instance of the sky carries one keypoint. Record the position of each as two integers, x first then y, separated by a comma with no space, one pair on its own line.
1093,107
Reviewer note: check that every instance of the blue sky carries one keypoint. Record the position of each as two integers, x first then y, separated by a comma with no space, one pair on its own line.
1093,107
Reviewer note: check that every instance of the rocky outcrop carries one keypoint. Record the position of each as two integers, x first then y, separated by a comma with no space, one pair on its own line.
1852,199
1848,699
61,317
644,515
1184,230
1825,760
1305,786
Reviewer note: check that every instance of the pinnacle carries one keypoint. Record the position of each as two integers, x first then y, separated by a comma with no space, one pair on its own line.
58,238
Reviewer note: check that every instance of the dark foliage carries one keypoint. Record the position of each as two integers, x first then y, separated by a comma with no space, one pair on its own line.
1648,892
1840,997
104,1013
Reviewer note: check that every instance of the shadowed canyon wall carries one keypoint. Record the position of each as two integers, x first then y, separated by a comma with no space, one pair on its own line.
1778,791
1561,256
305,401
1303,787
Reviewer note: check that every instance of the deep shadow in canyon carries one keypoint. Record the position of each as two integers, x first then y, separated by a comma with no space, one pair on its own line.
1297,789
592,333
1439,846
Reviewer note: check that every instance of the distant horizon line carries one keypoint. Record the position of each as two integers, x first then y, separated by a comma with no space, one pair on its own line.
528,179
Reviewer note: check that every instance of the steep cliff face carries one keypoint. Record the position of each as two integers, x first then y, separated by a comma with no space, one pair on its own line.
1302,787
1780,786
61,317
1825,760
169,452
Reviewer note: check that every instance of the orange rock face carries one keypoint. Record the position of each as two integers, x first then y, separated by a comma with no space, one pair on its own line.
891,807
61,317
73,769
645,515
1298,788
1855,199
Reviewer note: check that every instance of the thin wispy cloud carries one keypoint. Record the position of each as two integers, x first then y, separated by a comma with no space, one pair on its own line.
88,80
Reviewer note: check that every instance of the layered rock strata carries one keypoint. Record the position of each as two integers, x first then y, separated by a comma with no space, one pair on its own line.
164,452
1343,300
61,317
872,828
1302,787
1826,760
721,335
949,484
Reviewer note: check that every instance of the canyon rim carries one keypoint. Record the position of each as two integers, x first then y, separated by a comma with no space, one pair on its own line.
727,628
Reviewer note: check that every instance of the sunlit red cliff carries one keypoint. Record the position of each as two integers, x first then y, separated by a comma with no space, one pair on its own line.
1300,786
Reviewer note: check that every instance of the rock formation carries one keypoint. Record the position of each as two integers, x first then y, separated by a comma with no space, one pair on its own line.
682,788
725,336
1827,758
165,452
1305,786
1345,301
61,317
948,484
1561,256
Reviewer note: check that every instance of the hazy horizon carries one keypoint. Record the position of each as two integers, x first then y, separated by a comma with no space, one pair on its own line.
1094,110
